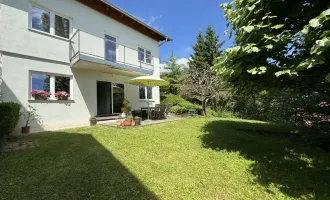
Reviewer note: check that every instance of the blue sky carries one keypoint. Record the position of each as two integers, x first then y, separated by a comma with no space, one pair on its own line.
179,19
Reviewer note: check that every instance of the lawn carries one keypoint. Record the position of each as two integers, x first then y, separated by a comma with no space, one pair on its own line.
190,159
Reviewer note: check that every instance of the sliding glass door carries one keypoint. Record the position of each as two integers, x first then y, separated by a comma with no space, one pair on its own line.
109,97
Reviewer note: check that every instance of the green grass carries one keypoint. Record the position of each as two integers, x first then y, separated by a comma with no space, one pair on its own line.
190,159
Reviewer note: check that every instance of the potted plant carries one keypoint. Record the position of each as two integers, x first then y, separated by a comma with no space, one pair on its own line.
128,120
92,121
137,120
125,106
62,95
29,115
40,94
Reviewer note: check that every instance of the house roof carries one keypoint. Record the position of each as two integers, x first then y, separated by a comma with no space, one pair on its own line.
118,14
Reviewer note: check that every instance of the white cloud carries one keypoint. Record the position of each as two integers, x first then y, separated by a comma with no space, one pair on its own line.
180,61
152,21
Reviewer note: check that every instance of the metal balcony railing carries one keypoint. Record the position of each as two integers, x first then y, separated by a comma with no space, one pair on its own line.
107,49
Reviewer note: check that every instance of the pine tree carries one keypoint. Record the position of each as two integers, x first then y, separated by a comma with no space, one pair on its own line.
172,75
212,46
197,60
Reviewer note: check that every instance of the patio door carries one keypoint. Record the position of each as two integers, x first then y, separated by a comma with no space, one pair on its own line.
110,48
109,97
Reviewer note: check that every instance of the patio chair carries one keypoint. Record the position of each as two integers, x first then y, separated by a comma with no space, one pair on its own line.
160,113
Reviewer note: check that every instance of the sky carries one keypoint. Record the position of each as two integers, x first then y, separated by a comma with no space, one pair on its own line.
180,20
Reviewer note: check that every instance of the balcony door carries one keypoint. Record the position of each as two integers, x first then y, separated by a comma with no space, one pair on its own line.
110,48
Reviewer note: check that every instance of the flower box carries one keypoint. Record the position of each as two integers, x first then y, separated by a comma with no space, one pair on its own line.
40,95
62,95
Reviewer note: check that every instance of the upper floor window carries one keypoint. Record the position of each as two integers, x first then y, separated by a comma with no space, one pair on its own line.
49,22
144,55
40,20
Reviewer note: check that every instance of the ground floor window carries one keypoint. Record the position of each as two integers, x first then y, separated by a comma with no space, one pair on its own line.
48,86
145,92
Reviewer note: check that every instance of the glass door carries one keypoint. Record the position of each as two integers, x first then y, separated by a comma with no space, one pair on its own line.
110,48
118,96
104,98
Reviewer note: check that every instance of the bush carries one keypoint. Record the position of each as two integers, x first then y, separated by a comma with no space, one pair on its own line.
9,116
173,100
179,110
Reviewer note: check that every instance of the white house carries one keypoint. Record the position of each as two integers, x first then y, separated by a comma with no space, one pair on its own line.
88,48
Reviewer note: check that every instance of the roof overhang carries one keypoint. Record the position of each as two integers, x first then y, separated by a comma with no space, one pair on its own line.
118,14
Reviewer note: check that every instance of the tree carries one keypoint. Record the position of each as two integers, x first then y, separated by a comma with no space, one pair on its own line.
201,82
173,75
278,47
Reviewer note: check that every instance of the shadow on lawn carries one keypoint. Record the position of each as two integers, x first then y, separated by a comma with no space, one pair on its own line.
281,162
68,166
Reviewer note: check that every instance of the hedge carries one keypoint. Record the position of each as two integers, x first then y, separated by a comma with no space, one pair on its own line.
9,116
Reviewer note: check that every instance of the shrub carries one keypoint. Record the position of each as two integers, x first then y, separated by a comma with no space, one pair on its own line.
9,116
179,110
173,100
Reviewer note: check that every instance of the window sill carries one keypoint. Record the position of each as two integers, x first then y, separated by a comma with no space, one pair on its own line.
50,101
145,100
48,34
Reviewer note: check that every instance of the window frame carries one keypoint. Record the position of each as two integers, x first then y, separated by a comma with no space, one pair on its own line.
146,93
52,83
51,23
145,55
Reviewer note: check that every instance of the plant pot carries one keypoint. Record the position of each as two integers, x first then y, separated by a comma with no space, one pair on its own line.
40,97
93,122
137,122
127,123
133,123
62,97
26,129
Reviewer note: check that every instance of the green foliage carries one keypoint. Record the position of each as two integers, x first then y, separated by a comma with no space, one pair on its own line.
173,75
92,118
278,47
179,110
9,116
173,100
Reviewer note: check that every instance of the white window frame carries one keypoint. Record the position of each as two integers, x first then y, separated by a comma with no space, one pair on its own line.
52,21
146,93
145,55
51,85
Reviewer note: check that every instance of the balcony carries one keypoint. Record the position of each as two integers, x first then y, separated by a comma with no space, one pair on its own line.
91,52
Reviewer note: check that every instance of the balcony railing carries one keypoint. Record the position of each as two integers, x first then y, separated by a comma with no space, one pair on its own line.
111,52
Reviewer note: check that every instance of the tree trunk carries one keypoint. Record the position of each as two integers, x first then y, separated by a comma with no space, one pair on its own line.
204,104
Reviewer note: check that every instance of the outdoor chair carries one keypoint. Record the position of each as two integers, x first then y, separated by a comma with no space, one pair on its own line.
159,113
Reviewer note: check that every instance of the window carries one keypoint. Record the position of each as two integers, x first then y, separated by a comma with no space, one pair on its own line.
49,22
145,90
62,83
40,82
40,20
50,83
62,26
144,55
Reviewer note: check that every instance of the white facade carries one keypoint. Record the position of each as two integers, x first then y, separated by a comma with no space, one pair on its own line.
26,51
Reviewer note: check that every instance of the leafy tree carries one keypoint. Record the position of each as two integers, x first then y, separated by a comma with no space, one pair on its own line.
173,75
278,46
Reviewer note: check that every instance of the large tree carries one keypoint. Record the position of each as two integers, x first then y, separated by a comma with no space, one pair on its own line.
201,82
278,44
